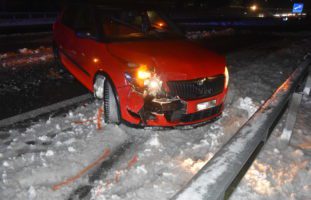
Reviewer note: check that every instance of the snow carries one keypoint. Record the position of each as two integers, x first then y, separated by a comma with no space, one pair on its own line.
32,193
38,157
248,105
278,172
158,163
154,141
25,57
194,35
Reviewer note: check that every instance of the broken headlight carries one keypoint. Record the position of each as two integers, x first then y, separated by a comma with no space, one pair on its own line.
144,80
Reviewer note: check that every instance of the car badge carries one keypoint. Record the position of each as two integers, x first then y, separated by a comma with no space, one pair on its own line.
201,82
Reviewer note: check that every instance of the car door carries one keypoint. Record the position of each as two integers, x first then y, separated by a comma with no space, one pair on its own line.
68,44
85,43
65,35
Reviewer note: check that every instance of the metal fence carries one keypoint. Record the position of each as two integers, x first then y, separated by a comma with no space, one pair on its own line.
213,180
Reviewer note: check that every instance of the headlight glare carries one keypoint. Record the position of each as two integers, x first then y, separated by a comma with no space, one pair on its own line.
143,74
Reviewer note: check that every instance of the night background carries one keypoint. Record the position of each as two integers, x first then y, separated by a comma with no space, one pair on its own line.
228,13
49,5
55,141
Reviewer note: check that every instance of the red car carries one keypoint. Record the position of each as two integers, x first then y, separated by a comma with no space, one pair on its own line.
140,64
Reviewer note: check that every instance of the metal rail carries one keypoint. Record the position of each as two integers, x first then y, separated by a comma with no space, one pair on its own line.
44,110
213,180
8,19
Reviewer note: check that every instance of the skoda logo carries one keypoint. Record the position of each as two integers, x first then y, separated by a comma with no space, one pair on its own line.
201,82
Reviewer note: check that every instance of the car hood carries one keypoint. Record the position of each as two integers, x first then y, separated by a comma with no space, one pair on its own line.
173,60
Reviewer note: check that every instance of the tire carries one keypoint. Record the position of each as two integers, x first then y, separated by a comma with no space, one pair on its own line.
111,108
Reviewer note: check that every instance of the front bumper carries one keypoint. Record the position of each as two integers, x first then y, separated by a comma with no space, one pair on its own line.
165,112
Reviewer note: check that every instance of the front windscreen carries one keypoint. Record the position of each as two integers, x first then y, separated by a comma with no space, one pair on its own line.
122,24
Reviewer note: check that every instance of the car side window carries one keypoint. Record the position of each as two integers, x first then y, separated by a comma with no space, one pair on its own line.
122,23
85,23
68,18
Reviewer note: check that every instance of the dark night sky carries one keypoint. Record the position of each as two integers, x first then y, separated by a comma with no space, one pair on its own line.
43,5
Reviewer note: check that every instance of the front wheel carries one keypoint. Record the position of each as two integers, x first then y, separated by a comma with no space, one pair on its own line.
103,89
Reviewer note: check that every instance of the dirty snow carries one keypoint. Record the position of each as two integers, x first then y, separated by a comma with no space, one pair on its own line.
25,57
157,164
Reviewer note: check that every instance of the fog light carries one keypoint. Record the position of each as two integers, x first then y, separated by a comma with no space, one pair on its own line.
206,105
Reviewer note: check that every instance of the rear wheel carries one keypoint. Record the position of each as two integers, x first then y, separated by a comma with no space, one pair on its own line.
103,89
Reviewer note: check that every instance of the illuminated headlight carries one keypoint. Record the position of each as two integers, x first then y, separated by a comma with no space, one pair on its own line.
206,105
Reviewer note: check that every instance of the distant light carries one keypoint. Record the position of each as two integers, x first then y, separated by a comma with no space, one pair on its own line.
160,24
261,15
286,15
254,7
95,60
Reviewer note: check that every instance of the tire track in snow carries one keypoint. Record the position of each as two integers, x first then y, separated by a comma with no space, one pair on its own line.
98,173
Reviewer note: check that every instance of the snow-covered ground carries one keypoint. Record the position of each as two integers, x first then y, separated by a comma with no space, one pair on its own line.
194,35
26,56
57,158
282,171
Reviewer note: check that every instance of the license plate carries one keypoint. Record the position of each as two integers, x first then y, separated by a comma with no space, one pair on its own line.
206,105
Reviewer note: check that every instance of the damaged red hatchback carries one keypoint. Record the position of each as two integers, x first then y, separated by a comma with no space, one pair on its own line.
140,64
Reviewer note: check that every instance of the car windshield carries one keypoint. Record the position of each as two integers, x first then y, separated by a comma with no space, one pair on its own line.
120,24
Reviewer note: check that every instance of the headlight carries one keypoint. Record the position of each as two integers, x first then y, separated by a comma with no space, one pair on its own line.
143,73
226,77
144,80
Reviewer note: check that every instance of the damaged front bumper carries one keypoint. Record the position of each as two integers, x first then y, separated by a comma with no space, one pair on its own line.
172,108
148,111
173,111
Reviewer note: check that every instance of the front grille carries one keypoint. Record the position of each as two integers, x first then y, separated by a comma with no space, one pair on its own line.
198,88
201,114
